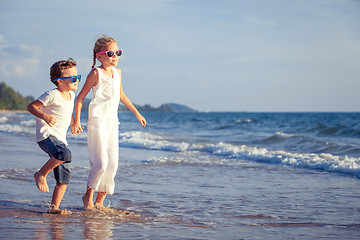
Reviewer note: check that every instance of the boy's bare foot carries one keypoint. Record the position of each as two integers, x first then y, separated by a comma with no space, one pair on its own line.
88,205
41,182
55,210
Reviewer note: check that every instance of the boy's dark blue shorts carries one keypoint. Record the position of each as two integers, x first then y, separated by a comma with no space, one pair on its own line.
57,149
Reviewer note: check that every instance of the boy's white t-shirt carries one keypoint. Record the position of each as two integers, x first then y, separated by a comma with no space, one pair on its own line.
56,105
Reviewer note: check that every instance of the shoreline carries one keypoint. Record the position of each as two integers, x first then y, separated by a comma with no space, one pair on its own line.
12,111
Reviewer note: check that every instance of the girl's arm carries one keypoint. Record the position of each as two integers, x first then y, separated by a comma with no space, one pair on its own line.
91,80
34,109
126,101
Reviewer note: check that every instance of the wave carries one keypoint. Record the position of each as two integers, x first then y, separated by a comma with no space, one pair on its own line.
310,144
247,120
10,128
3,119
278,137
317,161
151,141
329,146
338,130
232,124
19,123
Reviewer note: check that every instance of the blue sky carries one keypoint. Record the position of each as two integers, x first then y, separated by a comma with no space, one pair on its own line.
225,55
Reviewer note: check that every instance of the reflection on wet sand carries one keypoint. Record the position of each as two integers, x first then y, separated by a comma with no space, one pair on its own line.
99,224
56,228
93,224
97,230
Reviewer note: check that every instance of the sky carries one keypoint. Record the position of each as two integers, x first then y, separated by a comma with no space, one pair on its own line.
211,55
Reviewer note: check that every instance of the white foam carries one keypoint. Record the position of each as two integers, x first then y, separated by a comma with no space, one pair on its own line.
285,135
150,141
16,128
244,120
31,122
326,162
3,119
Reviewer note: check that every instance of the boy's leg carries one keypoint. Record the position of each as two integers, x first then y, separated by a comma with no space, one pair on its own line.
58,195
40,176
88,199
62,176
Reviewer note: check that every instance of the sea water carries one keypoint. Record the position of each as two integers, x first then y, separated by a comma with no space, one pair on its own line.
197,176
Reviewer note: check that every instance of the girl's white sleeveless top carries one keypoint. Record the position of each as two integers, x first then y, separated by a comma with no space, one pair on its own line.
106,99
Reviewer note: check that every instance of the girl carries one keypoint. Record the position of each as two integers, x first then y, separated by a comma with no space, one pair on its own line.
103,140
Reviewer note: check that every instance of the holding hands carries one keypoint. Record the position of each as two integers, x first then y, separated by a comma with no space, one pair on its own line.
76,128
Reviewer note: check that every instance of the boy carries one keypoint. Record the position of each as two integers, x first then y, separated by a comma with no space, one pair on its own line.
53,111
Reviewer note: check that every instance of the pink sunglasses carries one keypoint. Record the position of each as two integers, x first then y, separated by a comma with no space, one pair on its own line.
111,53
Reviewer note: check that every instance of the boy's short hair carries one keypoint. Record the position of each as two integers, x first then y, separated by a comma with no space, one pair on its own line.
57,69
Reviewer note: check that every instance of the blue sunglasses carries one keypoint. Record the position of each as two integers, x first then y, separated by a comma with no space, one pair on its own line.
73,78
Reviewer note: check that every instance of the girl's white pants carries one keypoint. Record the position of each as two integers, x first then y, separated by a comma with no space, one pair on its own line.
103,144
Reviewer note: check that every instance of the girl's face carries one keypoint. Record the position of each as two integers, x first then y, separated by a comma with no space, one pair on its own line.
108,61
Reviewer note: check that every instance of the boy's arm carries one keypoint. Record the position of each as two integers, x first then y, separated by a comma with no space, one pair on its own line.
34,109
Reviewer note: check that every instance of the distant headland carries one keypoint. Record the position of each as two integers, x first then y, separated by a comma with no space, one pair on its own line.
167,107
14,101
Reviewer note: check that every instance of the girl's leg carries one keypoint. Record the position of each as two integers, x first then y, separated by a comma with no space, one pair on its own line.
99,203
107,184
40,176
100,198
97,145
95,153
88,199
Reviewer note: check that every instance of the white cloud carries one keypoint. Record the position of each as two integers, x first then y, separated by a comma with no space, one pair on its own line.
18,60
2,39
31,50
3,42
13,68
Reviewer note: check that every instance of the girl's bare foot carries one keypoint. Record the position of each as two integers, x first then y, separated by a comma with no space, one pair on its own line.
88,205
41,182
101,207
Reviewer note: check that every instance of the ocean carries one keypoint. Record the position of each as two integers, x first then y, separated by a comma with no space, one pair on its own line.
196,176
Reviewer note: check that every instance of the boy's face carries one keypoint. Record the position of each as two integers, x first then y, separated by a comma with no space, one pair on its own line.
67,83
